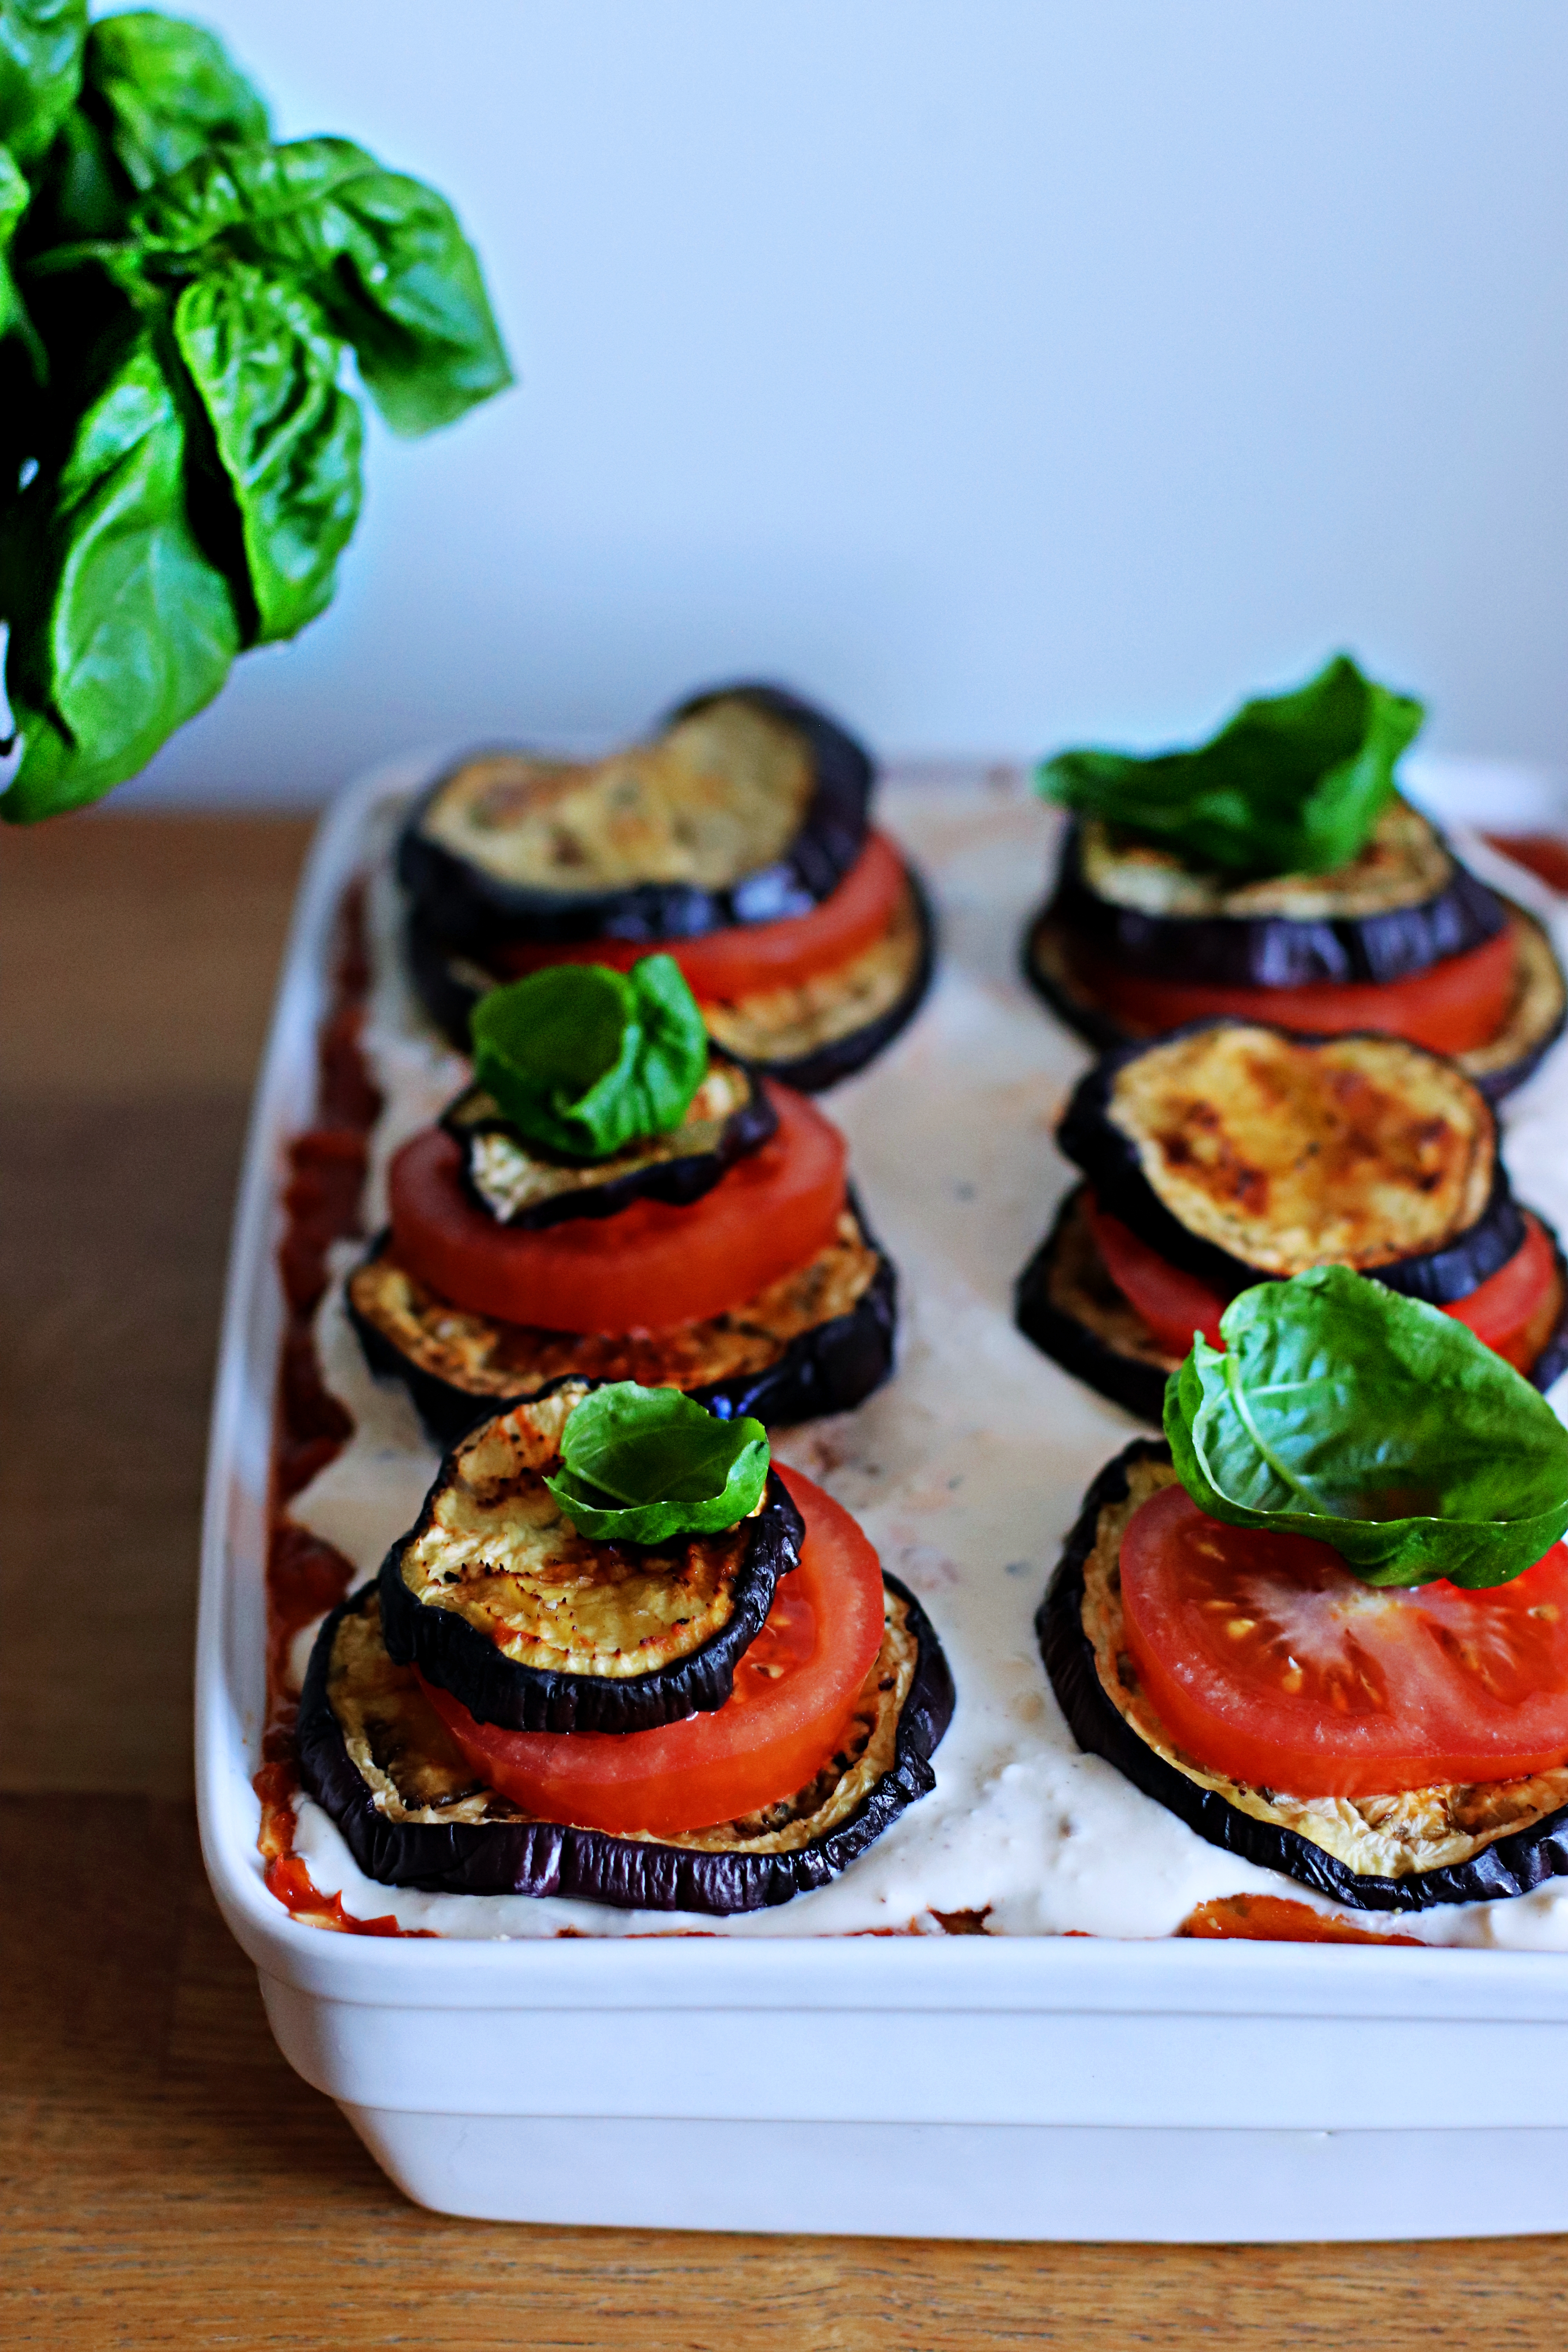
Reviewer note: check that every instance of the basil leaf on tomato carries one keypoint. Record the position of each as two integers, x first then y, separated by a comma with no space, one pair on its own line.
583,1060
165,91
288,436
121,628
382,254
1293,784
1380,1425
638,1466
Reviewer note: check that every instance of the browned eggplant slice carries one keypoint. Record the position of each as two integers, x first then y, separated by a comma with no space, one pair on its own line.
1066,1302
520,1184
374,1754
809,1036
1406,902
1448,1845
1240,1151
750,805
1054,970
816,1341
495,1596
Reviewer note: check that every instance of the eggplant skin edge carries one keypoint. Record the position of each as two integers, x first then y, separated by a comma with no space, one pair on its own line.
1091,1139
1280,950
1097,1028
1515,1864
1140,1388
450,1000
451,1653
828,1368
464,907
542,1858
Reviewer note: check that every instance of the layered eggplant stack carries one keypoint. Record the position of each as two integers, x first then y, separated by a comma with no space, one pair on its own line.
1276,873
1232,1153
615,1198
622,1658
738,839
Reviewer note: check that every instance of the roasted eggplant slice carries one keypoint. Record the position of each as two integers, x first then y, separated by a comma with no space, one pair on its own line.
518,1182
374,1754
750,806
1053,964
809,1035
1406,902
1239,1150
1444,1844
816,1341
1067,1303
496,1597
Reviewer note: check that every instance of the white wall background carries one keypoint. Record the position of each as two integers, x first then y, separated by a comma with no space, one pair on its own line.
1003,371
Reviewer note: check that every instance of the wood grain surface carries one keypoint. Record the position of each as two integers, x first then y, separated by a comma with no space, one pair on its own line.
167,2180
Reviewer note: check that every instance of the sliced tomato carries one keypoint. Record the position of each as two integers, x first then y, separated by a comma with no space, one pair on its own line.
1173,1304
652,1265
1513,1311
750,958
1267,1659
793,1695
1452,1007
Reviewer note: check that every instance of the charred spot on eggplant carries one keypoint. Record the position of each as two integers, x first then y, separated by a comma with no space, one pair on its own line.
1406,902
750,806
497,1597
1470,1845
519,1182
1239,1150
1531,1025
819,1340
376,1756
1067,1303
809,1035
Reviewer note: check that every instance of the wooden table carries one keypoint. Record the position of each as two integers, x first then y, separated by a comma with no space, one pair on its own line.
168,2179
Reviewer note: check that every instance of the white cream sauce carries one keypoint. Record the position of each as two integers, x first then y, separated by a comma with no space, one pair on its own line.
967,1470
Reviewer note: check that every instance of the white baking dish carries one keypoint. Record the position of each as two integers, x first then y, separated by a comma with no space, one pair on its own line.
1009,2086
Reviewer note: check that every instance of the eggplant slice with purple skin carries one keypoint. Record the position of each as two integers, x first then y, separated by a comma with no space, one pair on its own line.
809,1039
376,1756
1405,905
1197,1118
1502,1862
492,1560
1066,1302
522,1184
816,1341
754,802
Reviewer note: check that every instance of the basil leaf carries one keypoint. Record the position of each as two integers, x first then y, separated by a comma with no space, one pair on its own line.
15,197
382,253
166,91
120,629
582,1059
40,70
640,1464
1293,784
287,438
1339,1409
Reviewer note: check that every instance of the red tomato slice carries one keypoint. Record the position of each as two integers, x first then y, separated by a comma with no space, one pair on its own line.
1173,1304
1513,1311
650,1266
1267,1660
1452,1007
751,957
794,1692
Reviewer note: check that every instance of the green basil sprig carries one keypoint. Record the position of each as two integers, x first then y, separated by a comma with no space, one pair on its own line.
638,1466
179,299
582,1059
1383,1427
1293,784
